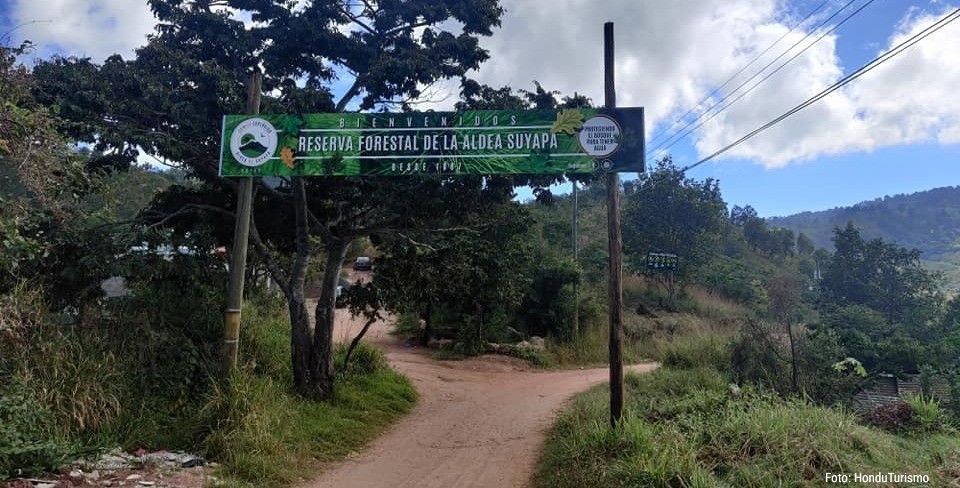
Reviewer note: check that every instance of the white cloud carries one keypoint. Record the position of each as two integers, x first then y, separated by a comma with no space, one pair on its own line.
910,99
93,28
669,55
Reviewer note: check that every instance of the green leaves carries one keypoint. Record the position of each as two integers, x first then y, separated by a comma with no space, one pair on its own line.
568,122
850,364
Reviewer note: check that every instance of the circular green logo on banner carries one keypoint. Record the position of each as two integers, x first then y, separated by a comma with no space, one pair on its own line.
253,142
600,136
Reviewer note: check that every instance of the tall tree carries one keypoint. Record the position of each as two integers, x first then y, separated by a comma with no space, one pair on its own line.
805,245
783,292
42,182
665,211
879,275
421,271
170,98
882,303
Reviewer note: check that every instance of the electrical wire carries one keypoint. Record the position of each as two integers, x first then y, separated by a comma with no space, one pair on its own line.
899,48
678,137
738,73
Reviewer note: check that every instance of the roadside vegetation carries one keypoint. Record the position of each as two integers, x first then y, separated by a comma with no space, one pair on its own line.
125,380
687,427
763,344
796,329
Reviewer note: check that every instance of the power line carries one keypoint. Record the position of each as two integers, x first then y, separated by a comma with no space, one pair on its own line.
677,136
740,71
899,48
765,78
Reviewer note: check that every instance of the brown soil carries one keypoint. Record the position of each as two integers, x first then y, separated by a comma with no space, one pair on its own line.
479,422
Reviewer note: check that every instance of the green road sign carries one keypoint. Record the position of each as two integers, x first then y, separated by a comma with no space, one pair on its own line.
469,142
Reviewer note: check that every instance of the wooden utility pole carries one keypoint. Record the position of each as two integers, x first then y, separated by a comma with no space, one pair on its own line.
615,248
238,258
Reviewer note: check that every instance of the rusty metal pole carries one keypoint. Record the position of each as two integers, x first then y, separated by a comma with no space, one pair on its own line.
238,258
615,248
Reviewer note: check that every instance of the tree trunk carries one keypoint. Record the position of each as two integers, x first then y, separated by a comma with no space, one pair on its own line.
321,357
794,374
356,341
300,343
427,331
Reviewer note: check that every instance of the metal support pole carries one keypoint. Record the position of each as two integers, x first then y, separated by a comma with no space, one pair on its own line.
238,258
615,248
576,260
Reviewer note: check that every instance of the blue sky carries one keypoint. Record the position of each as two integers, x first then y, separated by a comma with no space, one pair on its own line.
896,130
844,179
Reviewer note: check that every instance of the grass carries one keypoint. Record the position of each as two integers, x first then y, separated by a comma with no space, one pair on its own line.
685,428
266,436
65,392
590,348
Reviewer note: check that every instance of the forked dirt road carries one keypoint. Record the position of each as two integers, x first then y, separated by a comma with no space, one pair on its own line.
479,422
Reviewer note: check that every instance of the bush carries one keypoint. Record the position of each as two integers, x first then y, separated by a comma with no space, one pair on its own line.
761,355
170,329
734,279
646,292
547,307
476,331
27,447
892,417
927,416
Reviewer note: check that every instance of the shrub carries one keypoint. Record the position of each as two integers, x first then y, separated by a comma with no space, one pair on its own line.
914,415
892,417
547,307
170,328
734,279
26,446
927,416
761,354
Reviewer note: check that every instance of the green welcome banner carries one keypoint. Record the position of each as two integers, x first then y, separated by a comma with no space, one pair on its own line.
468,142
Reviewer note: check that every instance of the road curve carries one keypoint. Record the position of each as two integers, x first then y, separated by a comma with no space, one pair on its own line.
479,422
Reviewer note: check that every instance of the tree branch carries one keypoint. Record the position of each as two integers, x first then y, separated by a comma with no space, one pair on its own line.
415,243
356,20
401,28
282,280
190,208
352,92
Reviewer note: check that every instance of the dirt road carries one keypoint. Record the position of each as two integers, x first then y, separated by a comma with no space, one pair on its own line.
479,422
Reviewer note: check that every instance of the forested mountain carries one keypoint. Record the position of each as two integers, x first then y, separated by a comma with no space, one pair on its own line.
928,221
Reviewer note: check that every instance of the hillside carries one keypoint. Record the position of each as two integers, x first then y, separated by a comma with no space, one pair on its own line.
928,221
